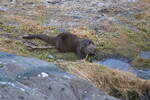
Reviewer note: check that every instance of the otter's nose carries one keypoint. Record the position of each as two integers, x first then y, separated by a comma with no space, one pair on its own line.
92,54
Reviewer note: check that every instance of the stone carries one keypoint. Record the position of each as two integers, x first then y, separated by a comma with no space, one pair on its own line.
50,56
53,1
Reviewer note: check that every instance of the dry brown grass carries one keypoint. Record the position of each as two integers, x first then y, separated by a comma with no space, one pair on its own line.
114,82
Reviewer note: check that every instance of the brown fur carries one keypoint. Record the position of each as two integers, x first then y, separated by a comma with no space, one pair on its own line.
67,42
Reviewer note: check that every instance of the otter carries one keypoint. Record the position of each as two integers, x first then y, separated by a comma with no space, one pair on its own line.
67,42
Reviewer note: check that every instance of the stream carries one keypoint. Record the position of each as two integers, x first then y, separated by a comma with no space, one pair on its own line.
124,65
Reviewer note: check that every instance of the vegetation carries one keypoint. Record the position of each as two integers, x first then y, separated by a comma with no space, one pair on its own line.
116,83
141,62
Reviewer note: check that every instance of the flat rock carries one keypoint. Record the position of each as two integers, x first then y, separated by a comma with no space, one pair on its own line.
25,78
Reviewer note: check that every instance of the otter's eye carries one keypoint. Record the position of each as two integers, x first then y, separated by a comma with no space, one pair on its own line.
90,42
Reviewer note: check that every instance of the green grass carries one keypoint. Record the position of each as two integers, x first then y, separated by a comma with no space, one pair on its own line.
126,44
141,62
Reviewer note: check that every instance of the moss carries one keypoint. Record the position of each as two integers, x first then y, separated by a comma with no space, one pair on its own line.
140,40
126,44
8,28
43,54
1,65
65,56
143,21
147,1
140,16
142,26
115,92
12,46
27,28
141,62
132,95
18,48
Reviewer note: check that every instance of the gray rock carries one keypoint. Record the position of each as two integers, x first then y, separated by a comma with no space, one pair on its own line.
24,78
3,8
146,96
50,56
89,13
53,1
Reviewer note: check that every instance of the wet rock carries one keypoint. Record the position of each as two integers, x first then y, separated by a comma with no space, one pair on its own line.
146,96
50,56
24,78
2,9
53,1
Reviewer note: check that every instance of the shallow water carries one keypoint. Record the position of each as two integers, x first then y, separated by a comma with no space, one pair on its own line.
145,54
122,64
116,64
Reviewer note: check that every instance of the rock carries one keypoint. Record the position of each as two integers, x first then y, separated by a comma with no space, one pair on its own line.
2,9
53,1
24,78
89,13
146,96
50,56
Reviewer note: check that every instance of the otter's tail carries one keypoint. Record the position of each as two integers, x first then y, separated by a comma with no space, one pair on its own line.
42,37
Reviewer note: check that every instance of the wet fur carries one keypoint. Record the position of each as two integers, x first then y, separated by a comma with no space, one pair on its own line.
67,42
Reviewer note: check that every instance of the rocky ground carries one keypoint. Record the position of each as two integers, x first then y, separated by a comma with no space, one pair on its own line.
25,78
120,29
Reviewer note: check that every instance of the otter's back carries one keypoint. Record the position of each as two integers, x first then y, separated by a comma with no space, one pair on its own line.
67,42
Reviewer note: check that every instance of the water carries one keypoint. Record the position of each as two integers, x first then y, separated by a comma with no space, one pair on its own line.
145,54
116,64
122,64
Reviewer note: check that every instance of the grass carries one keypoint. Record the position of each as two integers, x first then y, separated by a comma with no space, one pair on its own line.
119,84
141,62
20,49
14,47
127,44
28,28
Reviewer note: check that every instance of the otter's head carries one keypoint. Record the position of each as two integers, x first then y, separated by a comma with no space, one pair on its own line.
89,47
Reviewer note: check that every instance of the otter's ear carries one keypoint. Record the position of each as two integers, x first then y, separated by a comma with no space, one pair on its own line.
64,36
91,42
